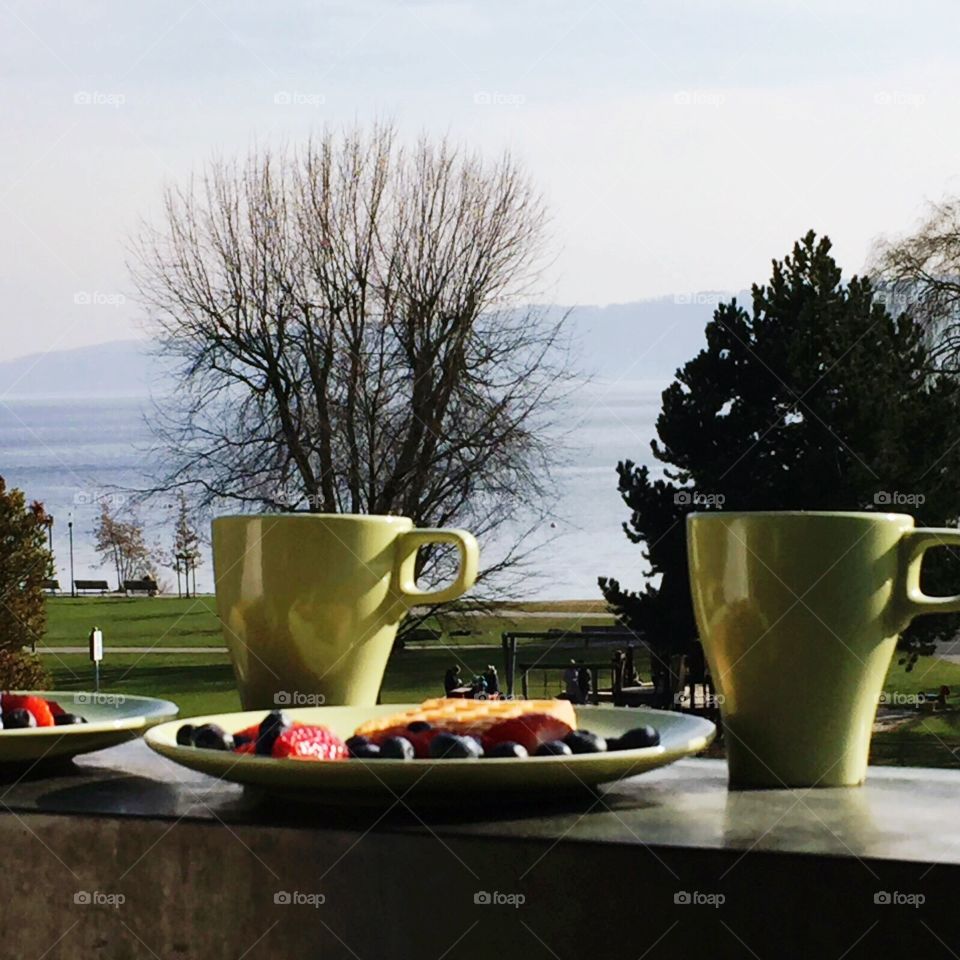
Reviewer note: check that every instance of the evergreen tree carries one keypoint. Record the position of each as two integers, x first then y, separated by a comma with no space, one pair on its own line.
815,399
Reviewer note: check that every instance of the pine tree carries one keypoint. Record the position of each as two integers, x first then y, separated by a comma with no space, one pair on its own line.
815,399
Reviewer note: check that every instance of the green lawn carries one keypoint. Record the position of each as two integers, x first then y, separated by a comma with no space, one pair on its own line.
134,621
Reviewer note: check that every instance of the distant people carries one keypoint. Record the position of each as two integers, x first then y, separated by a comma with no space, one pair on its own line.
584,682
451,679
619,662
571,685
493,681
630,676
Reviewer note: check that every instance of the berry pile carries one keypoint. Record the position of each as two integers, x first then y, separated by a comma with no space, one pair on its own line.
19,712
532,734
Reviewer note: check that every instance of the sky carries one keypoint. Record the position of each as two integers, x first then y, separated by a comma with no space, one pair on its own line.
679,146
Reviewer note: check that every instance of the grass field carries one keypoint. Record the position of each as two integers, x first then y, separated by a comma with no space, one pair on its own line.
203,682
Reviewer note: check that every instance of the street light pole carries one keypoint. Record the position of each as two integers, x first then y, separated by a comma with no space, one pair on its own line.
73,591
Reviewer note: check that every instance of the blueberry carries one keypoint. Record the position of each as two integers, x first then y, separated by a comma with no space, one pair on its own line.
362,748
239,740
356,743
185,735
419,726
553,748
272,725
212,737
636,739
508,749
68,719
583,741
449,746
18,719
397,748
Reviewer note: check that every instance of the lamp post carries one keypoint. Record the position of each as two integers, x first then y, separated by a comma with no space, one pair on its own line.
73,591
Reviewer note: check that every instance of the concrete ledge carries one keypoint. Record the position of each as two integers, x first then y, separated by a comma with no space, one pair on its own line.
200,866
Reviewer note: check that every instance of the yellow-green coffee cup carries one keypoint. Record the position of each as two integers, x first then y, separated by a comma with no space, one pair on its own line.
799,615
310,603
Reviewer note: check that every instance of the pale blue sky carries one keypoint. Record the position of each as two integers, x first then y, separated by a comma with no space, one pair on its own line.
680,145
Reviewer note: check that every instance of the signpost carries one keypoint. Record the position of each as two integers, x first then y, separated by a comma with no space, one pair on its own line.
96,655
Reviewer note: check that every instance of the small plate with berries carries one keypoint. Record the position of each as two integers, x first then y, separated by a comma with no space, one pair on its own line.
488,750
46,724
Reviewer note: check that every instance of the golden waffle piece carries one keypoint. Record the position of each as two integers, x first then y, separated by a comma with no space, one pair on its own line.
475,717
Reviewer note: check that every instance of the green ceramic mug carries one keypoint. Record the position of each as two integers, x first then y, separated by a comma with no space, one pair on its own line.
799,615
310,603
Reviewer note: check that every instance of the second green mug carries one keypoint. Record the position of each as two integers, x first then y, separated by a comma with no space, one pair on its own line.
799,614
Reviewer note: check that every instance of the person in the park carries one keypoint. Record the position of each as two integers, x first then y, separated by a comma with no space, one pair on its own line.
451,679
493,681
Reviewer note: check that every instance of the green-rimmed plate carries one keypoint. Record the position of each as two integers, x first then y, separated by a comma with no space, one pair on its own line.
111,719
488,779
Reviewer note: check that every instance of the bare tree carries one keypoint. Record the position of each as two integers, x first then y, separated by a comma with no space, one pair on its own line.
348,331
920,273
121,543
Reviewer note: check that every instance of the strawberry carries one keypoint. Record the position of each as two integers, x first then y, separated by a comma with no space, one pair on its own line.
529,730
248,746
309,743
34,705
55,708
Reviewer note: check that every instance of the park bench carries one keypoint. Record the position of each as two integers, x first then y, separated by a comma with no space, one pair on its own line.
51,586
146,585
91,586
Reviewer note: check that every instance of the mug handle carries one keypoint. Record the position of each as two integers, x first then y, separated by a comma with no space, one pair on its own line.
412,540
916,543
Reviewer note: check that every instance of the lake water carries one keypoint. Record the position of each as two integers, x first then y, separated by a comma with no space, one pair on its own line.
68,452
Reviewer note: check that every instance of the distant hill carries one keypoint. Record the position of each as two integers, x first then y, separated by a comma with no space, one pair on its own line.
645,340
120,368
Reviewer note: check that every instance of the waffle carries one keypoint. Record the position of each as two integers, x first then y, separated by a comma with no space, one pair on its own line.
466,716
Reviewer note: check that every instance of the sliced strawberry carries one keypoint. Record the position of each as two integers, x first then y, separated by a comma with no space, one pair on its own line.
35,705
55,708
249,746
529,730
309,743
